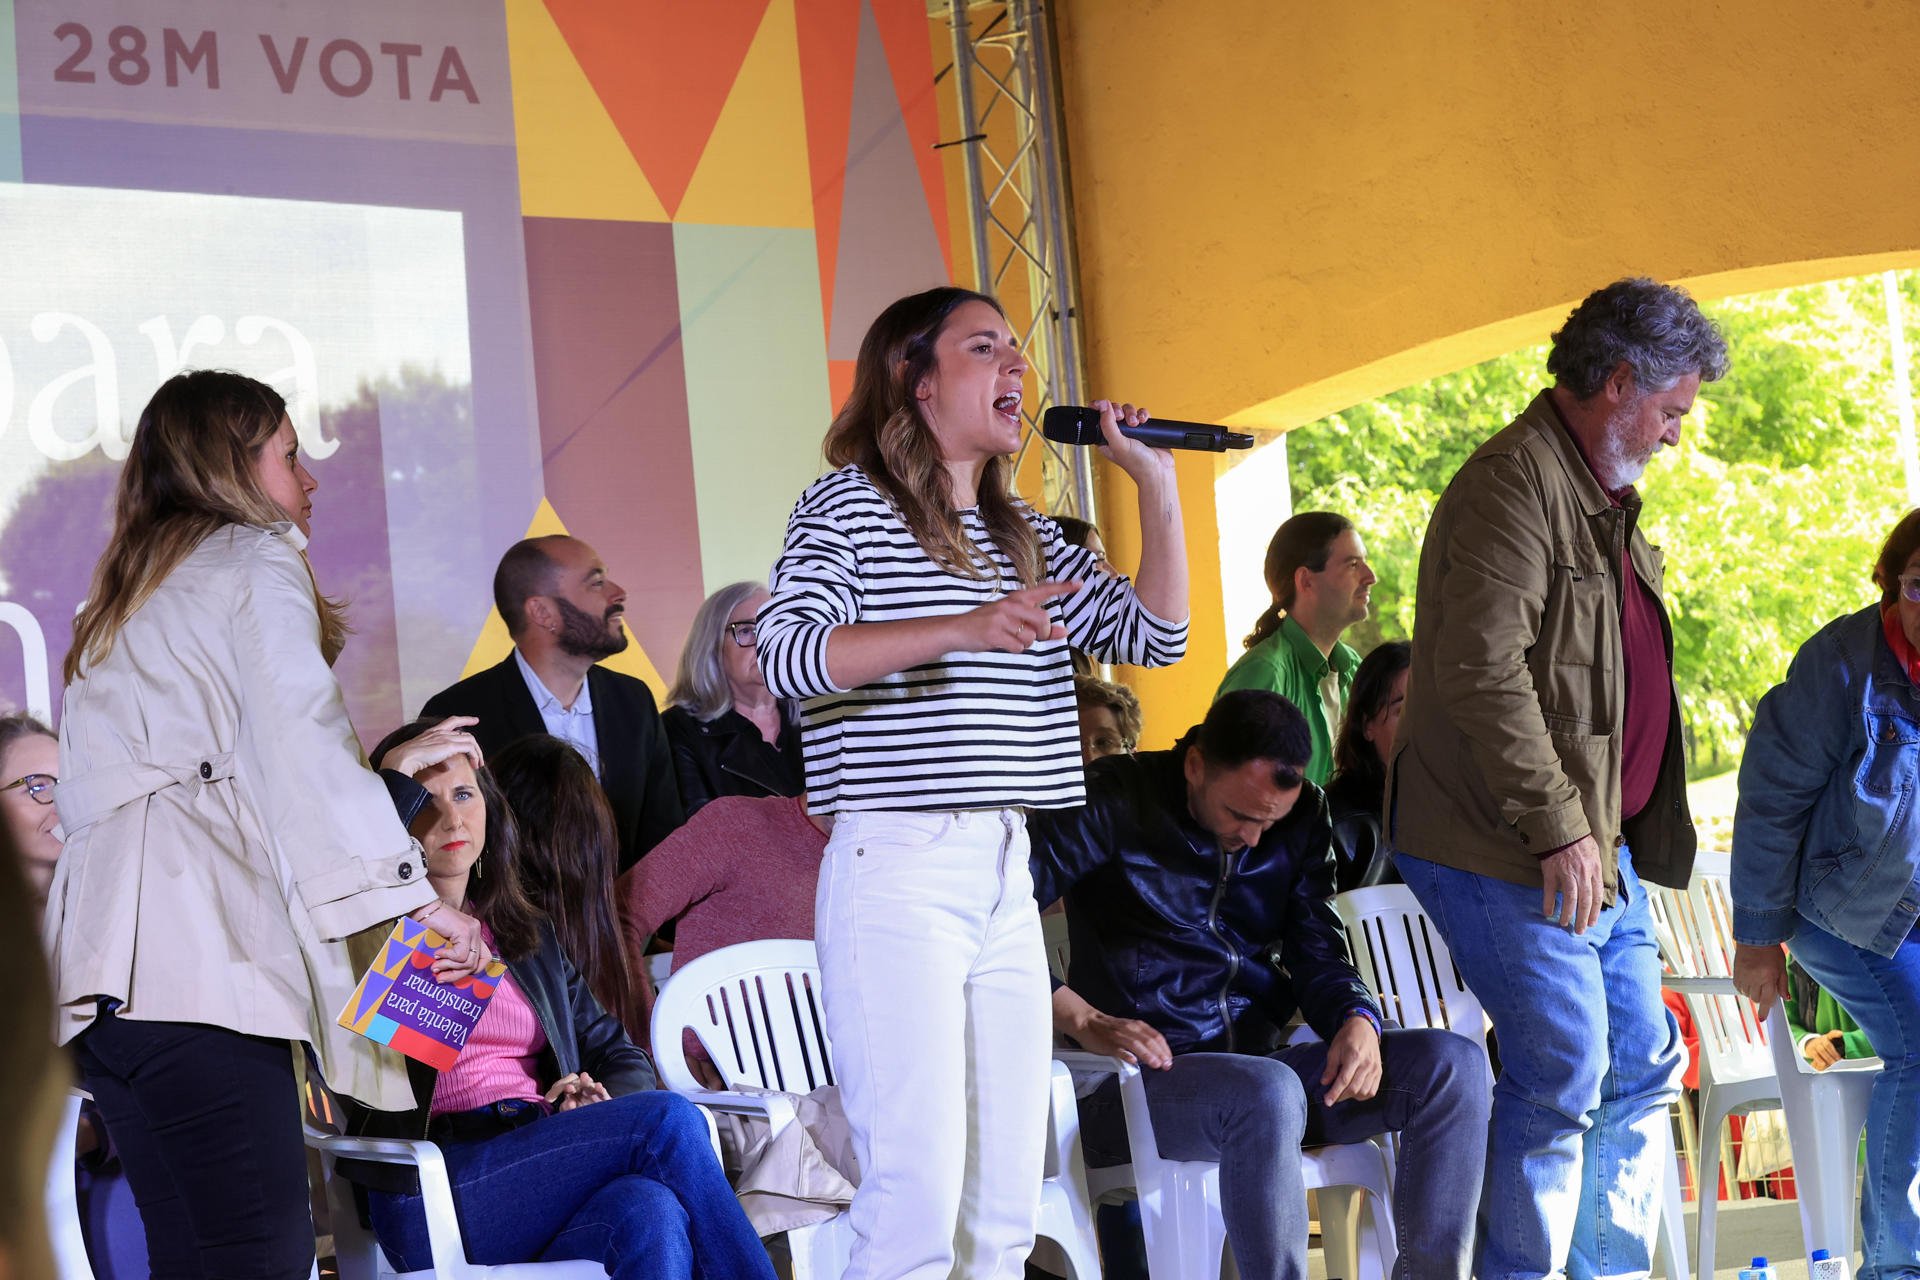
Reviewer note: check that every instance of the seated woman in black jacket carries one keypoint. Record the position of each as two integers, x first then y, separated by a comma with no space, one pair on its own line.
730,736
1358,789
557,1140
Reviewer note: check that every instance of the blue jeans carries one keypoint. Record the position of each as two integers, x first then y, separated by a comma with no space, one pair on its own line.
631,1183
1883,996
1253,1114
1590,1059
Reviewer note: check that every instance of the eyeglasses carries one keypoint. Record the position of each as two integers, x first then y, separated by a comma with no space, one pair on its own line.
745,634
39,787
1910,587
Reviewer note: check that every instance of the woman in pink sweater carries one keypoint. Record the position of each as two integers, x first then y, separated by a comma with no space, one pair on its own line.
742,869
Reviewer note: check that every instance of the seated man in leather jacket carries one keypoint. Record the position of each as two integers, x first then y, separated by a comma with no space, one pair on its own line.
1196,882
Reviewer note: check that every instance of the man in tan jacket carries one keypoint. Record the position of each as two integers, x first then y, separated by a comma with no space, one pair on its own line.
1539,772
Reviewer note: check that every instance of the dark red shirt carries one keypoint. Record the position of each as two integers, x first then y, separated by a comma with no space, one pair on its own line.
1897,641
1649,673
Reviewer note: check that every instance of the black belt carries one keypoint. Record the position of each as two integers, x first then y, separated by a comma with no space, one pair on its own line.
486,1122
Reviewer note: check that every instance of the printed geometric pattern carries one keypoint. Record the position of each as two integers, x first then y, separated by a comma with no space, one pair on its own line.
812,115
377,1012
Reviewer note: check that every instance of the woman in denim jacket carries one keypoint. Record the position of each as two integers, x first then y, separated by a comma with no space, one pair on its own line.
1826,858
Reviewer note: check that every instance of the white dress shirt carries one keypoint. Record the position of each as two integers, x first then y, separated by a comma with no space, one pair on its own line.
573,725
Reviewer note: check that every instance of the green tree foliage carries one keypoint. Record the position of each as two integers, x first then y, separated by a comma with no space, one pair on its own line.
1771,511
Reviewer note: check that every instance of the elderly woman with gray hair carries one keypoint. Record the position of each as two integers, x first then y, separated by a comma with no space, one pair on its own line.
730,736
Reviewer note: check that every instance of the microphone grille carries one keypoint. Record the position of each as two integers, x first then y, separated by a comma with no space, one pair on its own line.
1070,424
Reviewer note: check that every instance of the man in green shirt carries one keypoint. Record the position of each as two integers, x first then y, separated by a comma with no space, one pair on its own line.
1317,570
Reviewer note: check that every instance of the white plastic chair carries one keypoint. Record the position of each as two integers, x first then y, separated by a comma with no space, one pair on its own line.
1186,1194
358,1254
1695,933
1826,1111
1403,958
1180,1212
757,1009
63,1203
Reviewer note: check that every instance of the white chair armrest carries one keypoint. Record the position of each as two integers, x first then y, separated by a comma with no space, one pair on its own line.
1097,1063
776,1110
436,1189
713,1133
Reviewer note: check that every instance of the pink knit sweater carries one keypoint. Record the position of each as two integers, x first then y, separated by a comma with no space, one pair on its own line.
499,1058
742,869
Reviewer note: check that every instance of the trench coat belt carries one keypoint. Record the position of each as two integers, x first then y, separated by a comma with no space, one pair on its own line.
85,800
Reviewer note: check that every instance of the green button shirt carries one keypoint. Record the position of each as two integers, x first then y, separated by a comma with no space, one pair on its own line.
1287,663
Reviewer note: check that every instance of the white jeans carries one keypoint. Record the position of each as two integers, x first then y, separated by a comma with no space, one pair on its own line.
938,1006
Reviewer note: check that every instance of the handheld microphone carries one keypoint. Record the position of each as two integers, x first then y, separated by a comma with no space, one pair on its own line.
1068,424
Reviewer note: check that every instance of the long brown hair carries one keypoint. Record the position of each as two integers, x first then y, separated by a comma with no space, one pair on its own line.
880,430
189,471
496,892
1304,542
569,856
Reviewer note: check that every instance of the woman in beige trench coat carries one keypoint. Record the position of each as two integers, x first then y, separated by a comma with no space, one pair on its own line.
224,836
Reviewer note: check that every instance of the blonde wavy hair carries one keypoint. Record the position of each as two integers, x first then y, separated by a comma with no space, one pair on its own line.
880,430
189,472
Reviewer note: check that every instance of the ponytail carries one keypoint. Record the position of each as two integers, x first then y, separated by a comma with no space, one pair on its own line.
1265,625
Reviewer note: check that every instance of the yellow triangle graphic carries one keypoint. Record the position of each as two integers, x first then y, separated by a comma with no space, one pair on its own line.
495,644
573,161
754,170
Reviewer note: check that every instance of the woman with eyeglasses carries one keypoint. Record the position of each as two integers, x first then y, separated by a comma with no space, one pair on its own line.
730,735
1826,859
924,612
29,768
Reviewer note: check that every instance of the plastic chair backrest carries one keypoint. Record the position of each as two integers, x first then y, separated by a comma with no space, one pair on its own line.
1695,934
1402,957
756,1008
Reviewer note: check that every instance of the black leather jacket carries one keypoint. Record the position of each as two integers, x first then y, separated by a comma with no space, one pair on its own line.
1361,857
580,1036
1213,950
726,756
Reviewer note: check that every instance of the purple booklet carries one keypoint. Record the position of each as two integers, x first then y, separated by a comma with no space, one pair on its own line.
399,1003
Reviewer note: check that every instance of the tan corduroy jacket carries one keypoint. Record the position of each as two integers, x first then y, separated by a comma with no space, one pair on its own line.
224,835
1509,746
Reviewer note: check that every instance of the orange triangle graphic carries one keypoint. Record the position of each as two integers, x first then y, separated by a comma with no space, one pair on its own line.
663,69
829,40
573,161
754,170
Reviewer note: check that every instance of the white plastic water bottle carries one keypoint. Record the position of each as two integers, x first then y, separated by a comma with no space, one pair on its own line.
1760,1270
1824,1266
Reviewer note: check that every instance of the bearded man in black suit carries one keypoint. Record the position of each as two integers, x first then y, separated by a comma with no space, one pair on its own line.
564,614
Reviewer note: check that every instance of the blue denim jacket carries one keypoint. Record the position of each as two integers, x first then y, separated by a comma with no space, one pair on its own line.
1826,824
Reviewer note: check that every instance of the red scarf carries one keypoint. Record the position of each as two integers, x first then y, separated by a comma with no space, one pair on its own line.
1897,641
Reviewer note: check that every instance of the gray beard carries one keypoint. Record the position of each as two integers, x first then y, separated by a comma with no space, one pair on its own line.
1613,466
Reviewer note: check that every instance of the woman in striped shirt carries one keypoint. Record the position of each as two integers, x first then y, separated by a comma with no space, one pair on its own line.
923,613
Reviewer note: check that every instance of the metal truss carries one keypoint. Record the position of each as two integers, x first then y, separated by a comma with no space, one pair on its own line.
1005,80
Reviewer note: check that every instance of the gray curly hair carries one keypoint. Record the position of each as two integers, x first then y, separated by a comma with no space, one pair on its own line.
1656,328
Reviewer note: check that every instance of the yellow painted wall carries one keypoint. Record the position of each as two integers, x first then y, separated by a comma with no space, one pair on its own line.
1285,208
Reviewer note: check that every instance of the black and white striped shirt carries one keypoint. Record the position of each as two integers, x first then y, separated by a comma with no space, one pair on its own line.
971,730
